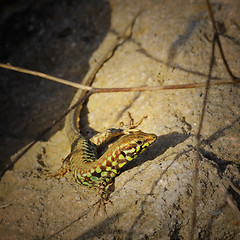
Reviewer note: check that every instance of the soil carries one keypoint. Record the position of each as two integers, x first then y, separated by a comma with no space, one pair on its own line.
171,43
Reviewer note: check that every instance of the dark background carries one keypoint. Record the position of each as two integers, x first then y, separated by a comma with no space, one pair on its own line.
53,37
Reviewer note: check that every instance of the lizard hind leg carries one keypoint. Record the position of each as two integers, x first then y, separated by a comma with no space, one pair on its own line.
104,192
62,170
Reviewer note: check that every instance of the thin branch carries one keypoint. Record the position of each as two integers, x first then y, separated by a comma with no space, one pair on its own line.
233,187
43,75
198,137
230,201
162,87
233,77
104,90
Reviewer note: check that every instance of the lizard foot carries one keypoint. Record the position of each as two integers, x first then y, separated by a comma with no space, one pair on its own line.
61,171
132,126
101,204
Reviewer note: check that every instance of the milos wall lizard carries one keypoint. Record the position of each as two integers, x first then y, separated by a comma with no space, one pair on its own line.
82,162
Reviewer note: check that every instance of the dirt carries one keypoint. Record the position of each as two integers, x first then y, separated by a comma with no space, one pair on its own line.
170,44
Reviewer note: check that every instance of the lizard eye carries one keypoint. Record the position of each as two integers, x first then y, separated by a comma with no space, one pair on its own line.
139,142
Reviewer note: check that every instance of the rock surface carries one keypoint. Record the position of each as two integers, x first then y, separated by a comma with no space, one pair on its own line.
170,44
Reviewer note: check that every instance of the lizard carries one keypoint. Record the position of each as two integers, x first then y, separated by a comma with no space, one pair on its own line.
82,161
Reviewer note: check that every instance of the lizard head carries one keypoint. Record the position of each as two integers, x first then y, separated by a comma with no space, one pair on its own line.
133,144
